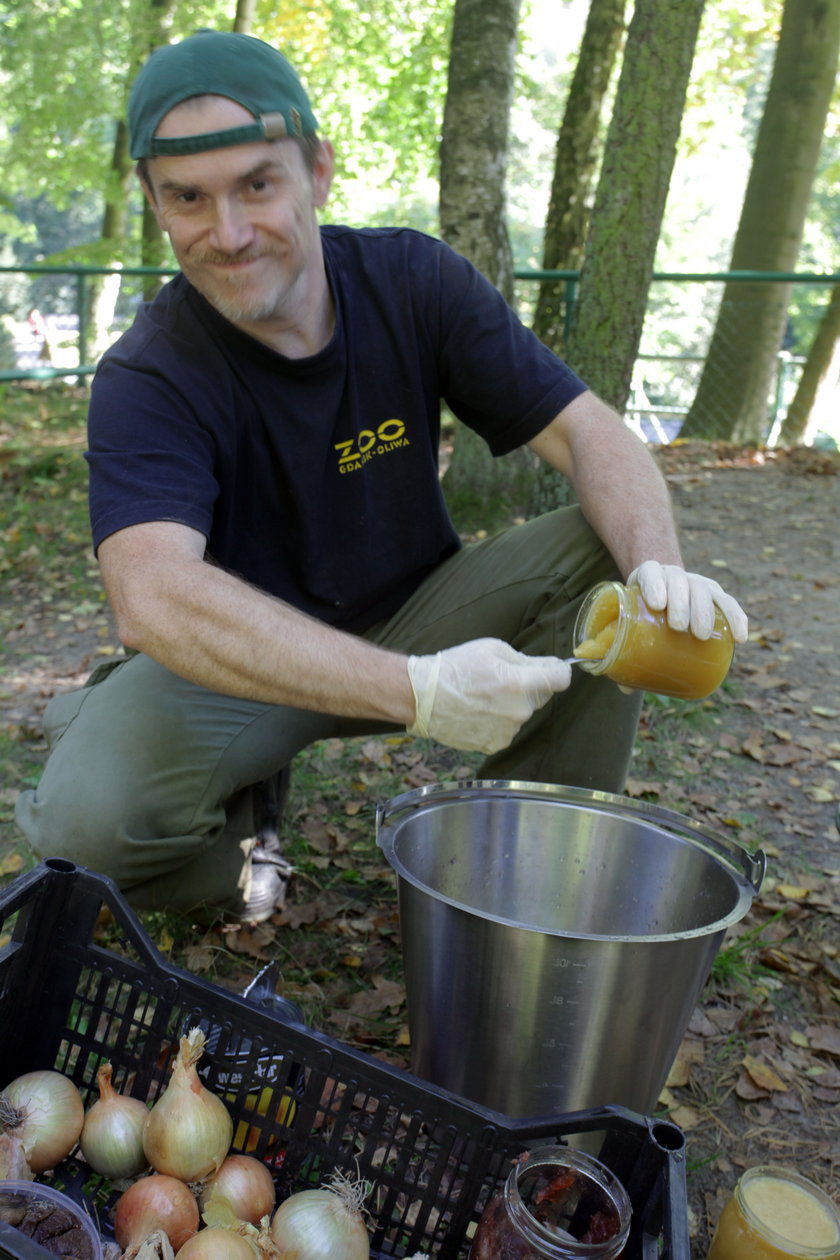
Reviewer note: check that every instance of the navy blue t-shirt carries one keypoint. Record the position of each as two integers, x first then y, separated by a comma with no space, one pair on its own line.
316,479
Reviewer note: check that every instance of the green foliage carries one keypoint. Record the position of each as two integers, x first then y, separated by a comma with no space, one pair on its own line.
738,962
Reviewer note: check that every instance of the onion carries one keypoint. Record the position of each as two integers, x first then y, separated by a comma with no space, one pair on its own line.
323,1224
188,1132
154,1203
45,1111
112,1136
245,1185
217,1243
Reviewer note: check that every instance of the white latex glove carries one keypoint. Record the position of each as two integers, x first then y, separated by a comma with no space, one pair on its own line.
477,695
690,599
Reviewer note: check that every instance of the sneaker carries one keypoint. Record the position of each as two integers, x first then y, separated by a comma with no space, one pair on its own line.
270,870
270,876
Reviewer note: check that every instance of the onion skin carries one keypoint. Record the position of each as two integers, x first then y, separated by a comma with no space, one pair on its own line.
245,1185
112,1135
188,1132
216,1243
155,1202
45,1110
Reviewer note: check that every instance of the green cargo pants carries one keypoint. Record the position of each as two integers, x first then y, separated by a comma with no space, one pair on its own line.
150,779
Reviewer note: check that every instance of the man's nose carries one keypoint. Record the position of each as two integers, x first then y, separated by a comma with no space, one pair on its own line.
232,230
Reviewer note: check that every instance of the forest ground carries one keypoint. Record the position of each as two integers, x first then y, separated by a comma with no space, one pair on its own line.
758,1075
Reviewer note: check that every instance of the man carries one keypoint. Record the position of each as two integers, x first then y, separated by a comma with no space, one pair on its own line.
267,513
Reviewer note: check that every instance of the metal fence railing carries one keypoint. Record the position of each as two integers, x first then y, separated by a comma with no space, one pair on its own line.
682,317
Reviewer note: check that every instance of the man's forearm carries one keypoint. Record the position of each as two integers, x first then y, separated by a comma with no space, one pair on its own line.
621,491
627,503
213,629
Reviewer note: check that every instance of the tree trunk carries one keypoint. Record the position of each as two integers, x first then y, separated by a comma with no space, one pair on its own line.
816,395
473,165
474,141
153,245
733,393
630,199
103,291
244,20
575,162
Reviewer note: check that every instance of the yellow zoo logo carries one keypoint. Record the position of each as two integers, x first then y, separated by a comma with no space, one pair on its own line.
389,435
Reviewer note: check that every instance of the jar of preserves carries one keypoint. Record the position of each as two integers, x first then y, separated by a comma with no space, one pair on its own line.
556,1204
776,1214
617,635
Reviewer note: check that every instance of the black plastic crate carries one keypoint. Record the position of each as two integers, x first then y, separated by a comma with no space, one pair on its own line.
434,1159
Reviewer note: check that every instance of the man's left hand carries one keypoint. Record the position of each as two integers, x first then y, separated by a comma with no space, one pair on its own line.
690,598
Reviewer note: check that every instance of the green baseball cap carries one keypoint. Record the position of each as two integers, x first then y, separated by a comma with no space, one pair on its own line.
218,63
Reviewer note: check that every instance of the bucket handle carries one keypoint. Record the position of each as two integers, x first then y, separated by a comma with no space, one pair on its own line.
755,867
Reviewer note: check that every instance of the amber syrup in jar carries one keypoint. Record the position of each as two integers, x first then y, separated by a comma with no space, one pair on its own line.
617,635
556,1204
776,1214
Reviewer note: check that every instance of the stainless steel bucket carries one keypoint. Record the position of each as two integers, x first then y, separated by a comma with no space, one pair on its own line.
555,940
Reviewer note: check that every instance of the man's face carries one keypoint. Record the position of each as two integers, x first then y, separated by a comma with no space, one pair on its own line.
241,220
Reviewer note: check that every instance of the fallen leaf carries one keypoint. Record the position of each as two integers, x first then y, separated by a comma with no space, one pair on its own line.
11,864
793,892
754,748
686,1117
643,787
199,958
820,796
785,755
825,1037
763,1075
383,995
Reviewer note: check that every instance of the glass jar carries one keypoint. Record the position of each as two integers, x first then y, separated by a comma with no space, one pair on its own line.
775,1214
619,636
557,1204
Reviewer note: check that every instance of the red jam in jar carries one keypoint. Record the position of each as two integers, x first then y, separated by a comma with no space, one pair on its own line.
556,1204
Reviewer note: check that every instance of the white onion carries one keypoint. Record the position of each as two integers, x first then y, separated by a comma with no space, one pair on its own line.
112,1136
323,1224
188,1132
45,1110
217,1243
245,1185
154,1203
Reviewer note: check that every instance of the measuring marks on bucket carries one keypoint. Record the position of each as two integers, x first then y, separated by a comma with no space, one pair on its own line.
567,999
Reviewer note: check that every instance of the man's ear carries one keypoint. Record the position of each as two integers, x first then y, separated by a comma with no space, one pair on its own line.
323,169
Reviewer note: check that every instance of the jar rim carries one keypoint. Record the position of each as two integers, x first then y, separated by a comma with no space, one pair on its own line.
601,665
598,1174
784,1243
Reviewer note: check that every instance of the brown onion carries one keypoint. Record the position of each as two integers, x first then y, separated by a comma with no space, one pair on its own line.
188,1132
245,1185
45,1110
112,1136
154,1203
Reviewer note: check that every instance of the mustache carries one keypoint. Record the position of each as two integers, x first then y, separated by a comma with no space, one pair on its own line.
220,258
